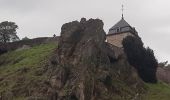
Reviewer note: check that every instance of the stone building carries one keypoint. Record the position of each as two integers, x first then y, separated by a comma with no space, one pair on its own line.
119,31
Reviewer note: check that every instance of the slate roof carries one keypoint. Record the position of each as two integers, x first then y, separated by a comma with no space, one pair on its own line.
121,23
120,27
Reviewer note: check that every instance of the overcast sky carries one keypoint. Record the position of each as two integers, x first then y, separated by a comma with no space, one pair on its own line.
41,18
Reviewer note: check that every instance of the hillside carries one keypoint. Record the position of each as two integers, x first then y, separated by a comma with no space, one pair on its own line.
13,74
80,66
21,71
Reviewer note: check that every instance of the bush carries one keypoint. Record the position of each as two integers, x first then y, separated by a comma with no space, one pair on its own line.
141,58
2,48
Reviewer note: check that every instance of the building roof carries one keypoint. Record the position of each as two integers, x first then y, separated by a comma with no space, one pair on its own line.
120,27
121,23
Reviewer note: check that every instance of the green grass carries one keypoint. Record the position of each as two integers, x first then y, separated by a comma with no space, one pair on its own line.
159,91
21,69
15,60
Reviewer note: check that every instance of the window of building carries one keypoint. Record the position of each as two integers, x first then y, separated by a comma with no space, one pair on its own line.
118,29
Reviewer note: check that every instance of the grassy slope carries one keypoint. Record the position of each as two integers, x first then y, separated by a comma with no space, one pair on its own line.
159,91
27,64
20,68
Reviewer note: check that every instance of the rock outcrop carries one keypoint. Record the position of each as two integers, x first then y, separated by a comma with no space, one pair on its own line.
85,67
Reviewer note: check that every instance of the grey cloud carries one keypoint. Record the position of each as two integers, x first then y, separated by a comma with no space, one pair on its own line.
39,18
18,6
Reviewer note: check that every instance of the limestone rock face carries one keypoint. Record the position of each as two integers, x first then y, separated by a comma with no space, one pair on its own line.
80,38
84,66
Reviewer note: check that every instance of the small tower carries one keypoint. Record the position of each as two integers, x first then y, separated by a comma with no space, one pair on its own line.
119,31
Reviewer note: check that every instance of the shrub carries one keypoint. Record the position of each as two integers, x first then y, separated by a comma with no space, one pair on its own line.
2,51
141,58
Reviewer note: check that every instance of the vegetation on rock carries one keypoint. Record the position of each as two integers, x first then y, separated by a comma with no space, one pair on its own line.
141,58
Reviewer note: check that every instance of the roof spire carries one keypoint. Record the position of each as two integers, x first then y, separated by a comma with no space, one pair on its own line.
122,11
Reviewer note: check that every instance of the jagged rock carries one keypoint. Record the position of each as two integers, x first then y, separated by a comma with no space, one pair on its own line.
80,39
85,67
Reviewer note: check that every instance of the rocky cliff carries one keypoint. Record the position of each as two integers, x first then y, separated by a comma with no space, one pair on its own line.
85,67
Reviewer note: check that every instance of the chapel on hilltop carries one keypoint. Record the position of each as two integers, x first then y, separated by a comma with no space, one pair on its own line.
119,31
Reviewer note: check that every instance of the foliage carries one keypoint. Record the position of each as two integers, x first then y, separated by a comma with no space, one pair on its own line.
54,35
164,64
8,32
2,50
25,38
141,58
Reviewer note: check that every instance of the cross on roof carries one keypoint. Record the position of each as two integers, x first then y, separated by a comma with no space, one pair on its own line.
122,10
